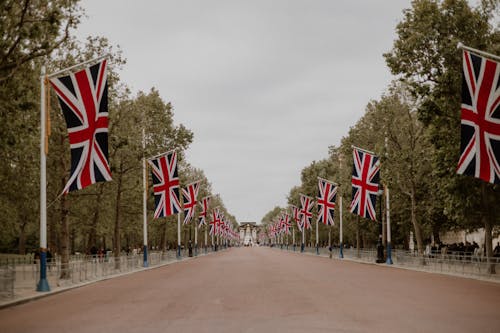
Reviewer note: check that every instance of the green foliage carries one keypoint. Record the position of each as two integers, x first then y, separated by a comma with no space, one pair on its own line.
102,214
415,128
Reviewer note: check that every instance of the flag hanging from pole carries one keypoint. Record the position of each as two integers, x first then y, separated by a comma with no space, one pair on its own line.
365,178
286,223
189,196
205,202
83,97
214,224
327,196
165,184
296,216
305,211
480,118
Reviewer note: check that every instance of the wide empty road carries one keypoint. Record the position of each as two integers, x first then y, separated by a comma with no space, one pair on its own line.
265,290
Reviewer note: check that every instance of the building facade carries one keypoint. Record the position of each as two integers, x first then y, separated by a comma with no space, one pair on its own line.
249,232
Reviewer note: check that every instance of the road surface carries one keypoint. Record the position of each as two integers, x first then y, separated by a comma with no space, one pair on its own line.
266,290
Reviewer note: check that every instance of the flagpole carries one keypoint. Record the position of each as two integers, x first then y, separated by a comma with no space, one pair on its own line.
293,238
195,238
43,284
388,218
179,235
213,244
341,253
317,236
486,54
206,237
330,240
67,69
303,238
144,202
363,150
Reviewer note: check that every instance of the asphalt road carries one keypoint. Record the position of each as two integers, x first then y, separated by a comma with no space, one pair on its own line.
266,290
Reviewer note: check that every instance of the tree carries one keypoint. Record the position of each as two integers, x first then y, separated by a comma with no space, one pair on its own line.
32,29
425,56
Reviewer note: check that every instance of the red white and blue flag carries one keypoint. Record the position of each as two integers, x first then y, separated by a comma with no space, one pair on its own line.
480,124
214,224
165,184
327,196
189,196
296,216
365,179
205,202
286,223
305,211
83,97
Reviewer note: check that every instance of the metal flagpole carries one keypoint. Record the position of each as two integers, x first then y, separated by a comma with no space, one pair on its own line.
303,237
330,240
317,236
388,218
179,235
144,202
195,238
43,284
293,238
67,69
206,237
341,253
483,53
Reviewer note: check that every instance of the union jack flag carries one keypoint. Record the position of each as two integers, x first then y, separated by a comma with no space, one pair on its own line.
480,139
305,211
365,178
286,223
296,216
327,195
205,202
214,224
189,195
165,184
83,97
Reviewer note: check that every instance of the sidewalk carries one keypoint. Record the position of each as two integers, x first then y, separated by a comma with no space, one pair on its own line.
495,278
26,291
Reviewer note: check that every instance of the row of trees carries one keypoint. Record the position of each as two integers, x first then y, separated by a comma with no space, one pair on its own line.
415,129
105,215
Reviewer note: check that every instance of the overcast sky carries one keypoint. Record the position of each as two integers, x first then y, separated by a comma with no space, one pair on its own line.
266,86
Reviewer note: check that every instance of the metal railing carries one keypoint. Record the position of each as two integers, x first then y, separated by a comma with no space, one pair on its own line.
454,263
19,275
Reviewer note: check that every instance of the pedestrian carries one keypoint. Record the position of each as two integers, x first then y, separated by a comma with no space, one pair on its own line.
496,251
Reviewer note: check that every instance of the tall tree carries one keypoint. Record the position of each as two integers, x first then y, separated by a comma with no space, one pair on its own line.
425,55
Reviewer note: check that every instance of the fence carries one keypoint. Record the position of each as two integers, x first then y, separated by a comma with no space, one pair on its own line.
20,274
454,263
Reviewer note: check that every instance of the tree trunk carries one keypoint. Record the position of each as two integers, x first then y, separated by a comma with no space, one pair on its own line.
22,238
488,226
65,269
92,240
416,225
116,239
488,245
164,238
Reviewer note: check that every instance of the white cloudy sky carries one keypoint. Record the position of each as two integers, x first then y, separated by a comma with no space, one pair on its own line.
266,86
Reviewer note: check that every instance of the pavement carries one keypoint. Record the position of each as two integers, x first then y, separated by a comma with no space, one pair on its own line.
263,290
